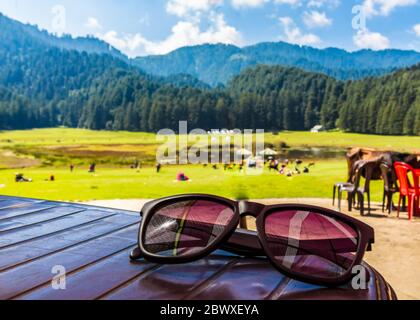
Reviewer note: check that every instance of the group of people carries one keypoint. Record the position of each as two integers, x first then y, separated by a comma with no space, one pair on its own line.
285,169
19,178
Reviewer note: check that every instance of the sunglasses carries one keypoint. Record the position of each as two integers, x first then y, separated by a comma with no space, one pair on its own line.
306,243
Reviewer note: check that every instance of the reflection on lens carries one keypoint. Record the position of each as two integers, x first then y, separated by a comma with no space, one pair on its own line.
311,243
186,228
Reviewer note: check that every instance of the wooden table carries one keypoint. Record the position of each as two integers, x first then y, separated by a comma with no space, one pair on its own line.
93,246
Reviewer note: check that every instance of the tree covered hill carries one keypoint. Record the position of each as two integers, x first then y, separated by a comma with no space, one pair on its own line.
42,76
390,104
217,64
22,35
265,97
35,74
298,99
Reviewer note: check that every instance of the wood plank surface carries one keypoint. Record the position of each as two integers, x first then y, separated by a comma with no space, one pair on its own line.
93,245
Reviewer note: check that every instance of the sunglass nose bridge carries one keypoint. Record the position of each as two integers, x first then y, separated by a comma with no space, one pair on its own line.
247,208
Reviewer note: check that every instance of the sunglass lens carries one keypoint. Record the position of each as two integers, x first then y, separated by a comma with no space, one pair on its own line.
186,228
311,243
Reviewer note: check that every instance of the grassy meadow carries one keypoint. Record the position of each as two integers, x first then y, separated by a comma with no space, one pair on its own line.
123,183
38,154
70,137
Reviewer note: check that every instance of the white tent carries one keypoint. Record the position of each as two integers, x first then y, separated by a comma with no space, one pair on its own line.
267,152
244,153
317,129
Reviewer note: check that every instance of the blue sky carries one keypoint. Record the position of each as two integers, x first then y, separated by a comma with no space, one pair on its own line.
160,26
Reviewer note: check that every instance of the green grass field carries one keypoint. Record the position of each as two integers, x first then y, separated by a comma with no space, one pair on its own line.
41,153
113,183
69,137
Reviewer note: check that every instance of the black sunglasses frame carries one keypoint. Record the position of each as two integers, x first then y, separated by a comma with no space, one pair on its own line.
248,243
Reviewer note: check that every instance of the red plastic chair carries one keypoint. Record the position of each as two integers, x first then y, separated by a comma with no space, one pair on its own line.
406,190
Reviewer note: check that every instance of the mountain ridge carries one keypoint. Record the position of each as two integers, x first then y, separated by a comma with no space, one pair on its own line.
88,44
219,63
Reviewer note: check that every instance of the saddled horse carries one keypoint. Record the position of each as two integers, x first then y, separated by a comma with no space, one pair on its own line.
388,157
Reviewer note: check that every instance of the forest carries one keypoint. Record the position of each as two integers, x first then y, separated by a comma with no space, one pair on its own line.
270,98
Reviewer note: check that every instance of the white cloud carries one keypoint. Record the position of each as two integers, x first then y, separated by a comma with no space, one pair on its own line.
322,3
416,29
184,33
384,7
314,19
294,35
365,39
310,3
183,8
128,43
294,3
93,23
290,2
248,3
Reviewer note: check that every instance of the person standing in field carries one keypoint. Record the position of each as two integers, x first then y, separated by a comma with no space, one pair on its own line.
92,168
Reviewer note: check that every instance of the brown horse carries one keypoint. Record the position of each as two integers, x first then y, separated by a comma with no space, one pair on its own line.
388,157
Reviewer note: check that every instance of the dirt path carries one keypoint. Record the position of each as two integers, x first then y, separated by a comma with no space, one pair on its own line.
9,160
396,253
